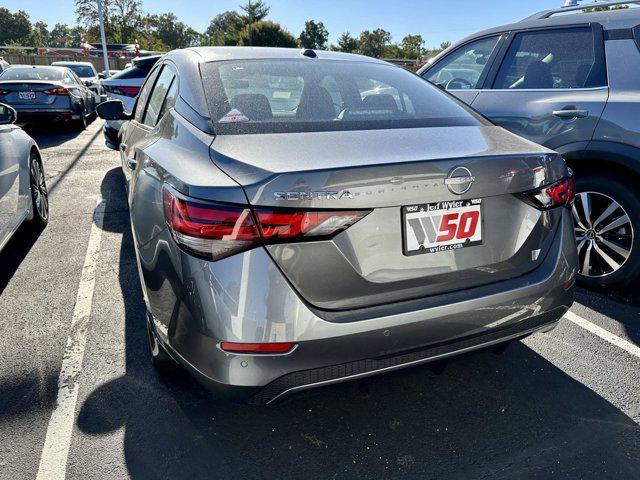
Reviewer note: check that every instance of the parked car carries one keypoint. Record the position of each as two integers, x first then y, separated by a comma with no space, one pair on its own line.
3,65
23,189
47,93
567,79
125,86
87,73
285,248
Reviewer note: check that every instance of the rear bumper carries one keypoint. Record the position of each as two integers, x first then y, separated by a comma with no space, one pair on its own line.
245,298
26,115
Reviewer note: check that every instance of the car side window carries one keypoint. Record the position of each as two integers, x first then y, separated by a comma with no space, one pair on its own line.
143,96
461,70
158,94
551,59
170,99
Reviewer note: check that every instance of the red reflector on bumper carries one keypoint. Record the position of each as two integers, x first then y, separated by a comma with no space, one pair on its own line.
257,347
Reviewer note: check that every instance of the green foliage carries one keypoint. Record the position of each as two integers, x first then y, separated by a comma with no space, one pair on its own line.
412,46
373,43
171,32
347,43
267,34
314,35
604,9
254,11
224,29
15,28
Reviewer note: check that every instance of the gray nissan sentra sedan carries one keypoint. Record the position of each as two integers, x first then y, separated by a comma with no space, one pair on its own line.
305,218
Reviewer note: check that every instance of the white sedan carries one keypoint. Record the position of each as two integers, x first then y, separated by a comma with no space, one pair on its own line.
23,190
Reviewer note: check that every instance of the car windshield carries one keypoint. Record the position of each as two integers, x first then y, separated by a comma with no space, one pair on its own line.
30,73
259,96
82,70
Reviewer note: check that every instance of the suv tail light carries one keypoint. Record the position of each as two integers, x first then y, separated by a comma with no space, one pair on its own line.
557,194
216,230
126,91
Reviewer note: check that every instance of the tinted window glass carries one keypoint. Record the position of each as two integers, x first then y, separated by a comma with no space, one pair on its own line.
170,99
81,70
552,59
143,96
132,72
462,69
28,73
260,96
158,95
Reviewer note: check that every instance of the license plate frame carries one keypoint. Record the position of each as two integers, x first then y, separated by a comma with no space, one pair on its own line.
430,225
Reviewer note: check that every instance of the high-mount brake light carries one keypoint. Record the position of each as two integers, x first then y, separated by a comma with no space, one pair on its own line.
559,194
216,230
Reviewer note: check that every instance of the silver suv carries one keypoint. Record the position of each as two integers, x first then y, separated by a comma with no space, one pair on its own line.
568,79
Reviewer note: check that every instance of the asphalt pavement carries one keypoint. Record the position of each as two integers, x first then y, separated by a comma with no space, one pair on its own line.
562,405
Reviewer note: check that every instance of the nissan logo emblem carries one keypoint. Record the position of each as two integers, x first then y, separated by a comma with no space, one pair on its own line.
459,180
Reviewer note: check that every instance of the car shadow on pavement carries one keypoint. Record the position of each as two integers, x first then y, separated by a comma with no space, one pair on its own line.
622,305
52,134
509,416
15,251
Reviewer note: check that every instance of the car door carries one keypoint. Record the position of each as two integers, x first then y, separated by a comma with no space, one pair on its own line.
133,130
88,99
550,87
463,71
142,130
9,178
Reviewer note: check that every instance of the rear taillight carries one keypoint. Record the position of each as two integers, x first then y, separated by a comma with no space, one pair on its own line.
57,91
126,91
258,348
4,92
215,230
557,194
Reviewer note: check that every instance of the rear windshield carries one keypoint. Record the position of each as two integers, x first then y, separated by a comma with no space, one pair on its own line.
29,73
133,72
271,96
82,70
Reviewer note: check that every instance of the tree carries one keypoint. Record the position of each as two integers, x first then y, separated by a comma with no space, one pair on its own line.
254,11
87,14
171,32
347,43
314,35
373,43
224,29
126,16
39,36
14,27
445,45
267,34
412,46
60,36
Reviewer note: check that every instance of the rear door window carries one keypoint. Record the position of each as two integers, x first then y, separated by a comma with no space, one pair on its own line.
462,69
552,59
158,95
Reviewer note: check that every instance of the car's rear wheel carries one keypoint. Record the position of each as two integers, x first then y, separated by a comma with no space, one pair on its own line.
82,122
39,193
162,361
606,214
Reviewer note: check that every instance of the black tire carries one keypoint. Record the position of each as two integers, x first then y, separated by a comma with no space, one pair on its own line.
626,237
162,362
82,123
39,192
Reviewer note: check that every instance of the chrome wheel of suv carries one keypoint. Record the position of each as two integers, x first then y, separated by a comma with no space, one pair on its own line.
604,234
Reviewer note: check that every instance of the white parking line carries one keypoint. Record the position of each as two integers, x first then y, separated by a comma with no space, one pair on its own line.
604,334
53,462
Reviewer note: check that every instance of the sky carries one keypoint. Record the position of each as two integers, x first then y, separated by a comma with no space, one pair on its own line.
435,20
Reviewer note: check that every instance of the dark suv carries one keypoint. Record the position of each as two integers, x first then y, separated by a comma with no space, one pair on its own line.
568,79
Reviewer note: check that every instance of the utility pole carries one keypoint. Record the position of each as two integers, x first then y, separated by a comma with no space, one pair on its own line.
104,39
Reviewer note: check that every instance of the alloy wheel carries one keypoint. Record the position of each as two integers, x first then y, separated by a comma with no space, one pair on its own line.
604,234
39,190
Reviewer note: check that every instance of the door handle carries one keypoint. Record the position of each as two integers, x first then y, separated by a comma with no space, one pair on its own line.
571,113
132,163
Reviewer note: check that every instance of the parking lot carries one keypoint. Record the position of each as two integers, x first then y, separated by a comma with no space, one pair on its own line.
559,405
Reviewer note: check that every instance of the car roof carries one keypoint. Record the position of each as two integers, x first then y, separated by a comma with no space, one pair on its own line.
610,20
62,64
212,54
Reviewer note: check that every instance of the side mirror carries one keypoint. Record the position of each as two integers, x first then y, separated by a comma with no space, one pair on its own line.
101,76
88,83
112,110
7,115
